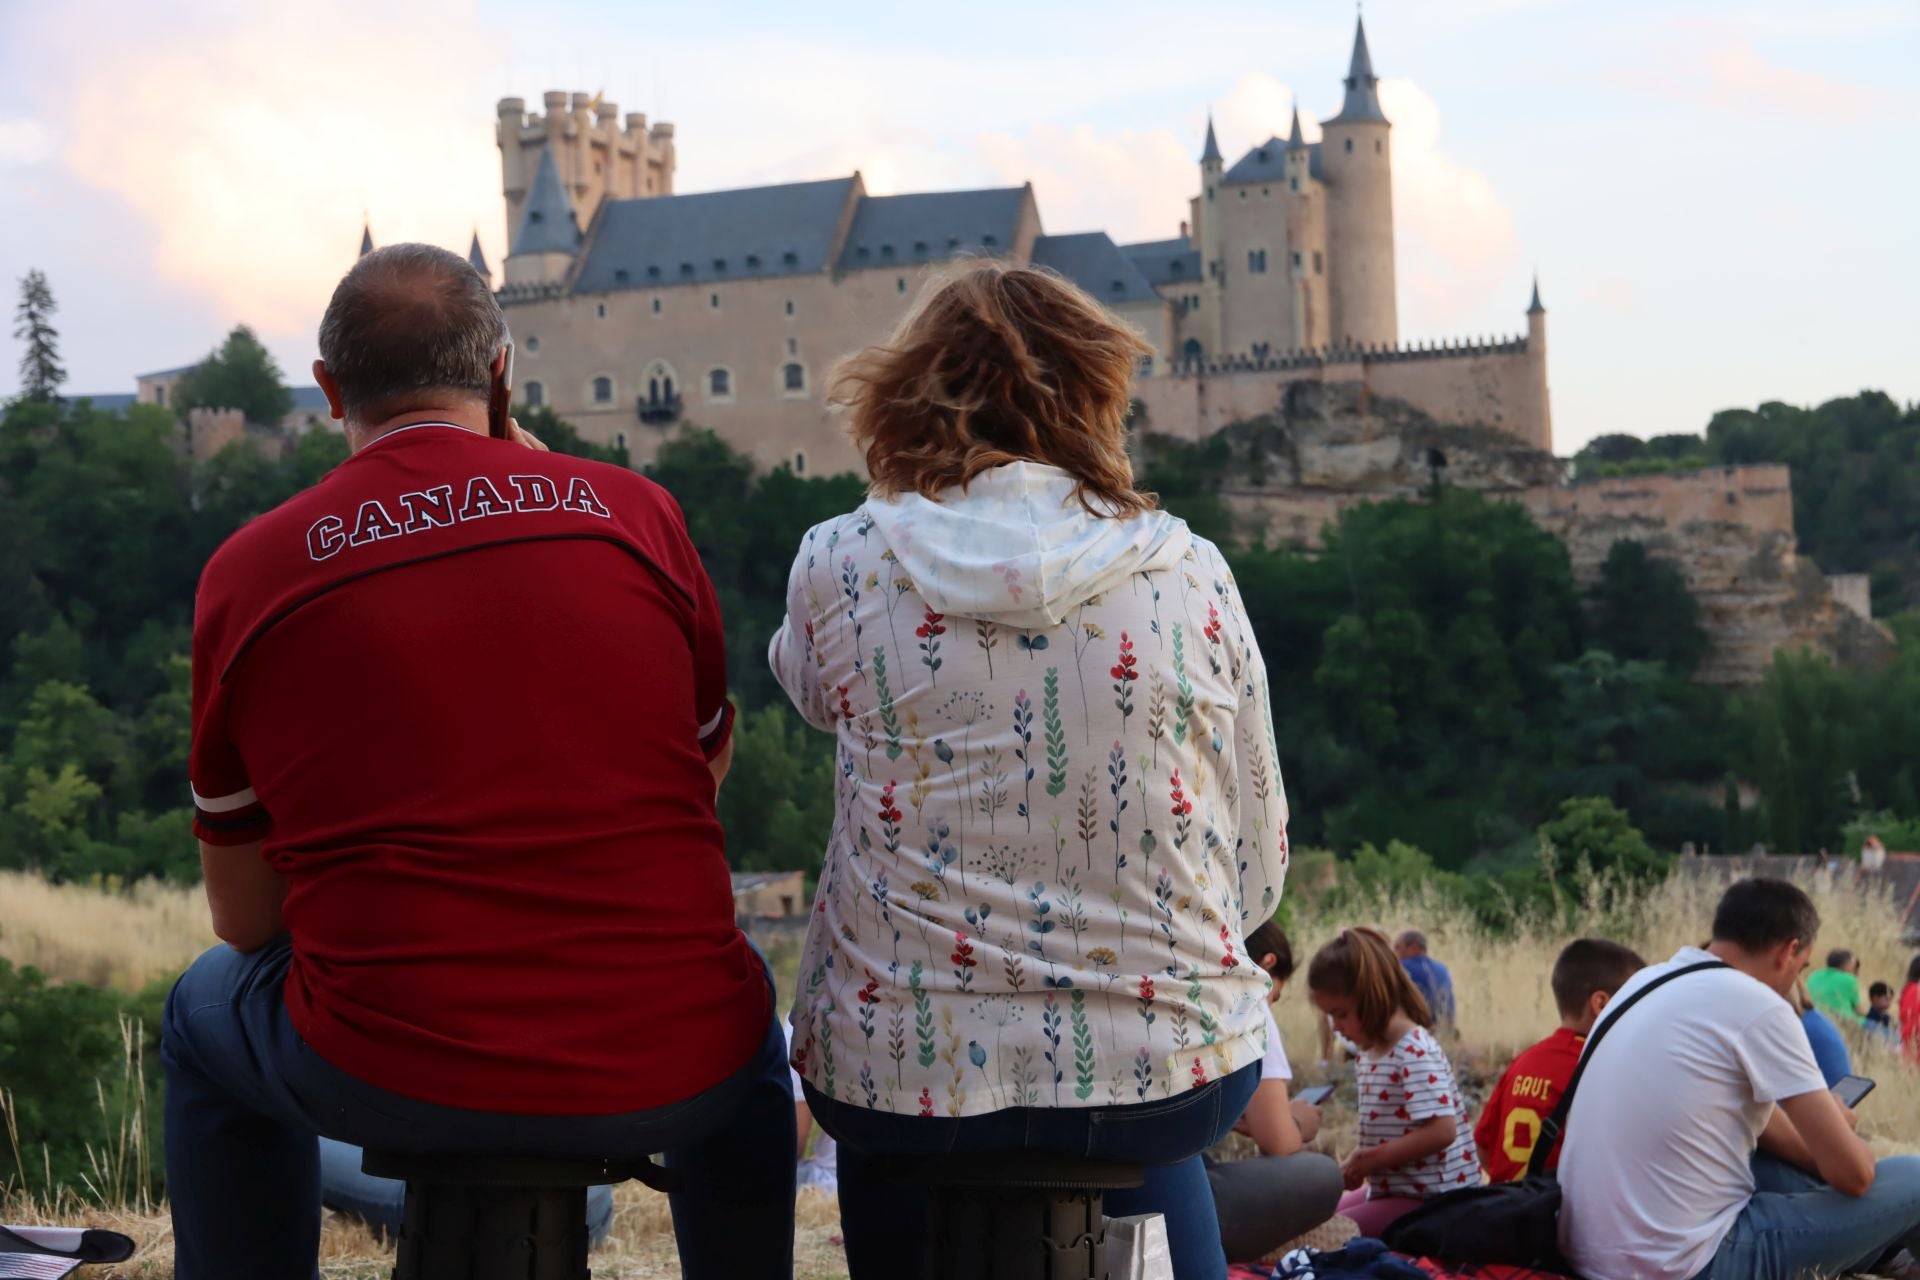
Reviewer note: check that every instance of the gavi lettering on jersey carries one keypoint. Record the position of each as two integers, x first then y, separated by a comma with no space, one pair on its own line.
436,508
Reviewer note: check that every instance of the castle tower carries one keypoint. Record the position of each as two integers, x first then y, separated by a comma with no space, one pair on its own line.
544,245
1208,232
599,158
1306,205
478,260
1358,167
1542,430
366,239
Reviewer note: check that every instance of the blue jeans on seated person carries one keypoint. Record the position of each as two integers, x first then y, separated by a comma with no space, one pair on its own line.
886,1221
246,1098
381,1202
1797,1226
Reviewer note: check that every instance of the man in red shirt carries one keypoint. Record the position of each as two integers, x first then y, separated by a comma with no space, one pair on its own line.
1587,973
459,713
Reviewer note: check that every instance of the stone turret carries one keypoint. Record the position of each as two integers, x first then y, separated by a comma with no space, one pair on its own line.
544,245
478,260
1537,371
1209,226
366,239
1356,160
599,155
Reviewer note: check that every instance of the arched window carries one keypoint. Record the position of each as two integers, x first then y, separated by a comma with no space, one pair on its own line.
603,390
719,383
659,395
800,463
536,395
1349,145
620,440
1192,351
794,376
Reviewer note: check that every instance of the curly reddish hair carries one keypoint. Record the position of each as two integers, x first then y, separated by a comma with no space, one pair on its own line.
998,363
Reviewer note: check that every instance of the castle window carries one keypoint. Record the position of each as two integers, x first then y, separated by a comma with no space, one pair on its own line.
536,395
653,273
863,253
1319,262
719,384
900,285
603,390
886,253
1243,193
800,463
793,346
789,259
656,306
1377,148
533,344
620,276
1256,262
794,377
686,268
620,440
1209,195
1260,350
601,311
1349,145
989,240
919,248
1119,286
1192,351
1262,153
753,261
719,264
953,242
160,392
713,301
1294,183
1296,259
1176,267
1265,192
789,306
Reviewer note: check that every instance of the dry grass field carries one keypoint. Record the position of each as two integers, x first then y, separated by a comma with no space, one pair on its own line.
127,939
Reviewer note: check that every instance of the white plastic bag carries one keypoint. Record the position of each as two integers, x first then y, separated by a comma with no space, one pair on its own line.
1137,1248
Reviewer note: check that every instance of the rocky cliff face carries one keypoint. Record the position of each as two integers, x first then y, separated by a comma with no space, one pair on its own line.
1729,530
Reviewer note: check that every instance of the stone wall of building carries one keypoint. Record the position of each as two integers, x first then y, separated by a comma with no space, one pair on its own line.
1729,530
1500,385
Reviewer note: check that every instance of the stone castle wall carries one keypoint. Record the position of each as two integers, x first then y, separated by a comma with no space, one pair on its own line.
1729,530
1495,384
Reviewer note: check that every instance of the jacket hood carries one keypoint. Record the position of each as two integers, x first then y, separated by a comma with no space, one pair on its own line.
1017,548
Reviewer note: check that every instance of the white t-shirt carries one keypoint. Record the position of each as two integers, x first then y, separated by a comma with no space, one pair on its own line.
1274,1065
1656,1162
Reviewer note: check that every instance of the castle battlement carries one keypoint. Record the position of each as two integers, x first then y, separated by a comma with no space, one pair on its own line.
1326,357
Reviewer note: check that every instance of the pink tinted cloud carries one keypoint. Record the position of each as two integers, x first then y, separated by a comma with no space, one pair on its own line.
1731,75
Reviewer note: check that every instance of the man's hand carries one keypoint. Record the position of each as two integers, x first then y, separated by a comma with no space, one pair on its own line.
1824,1130
244,893
521,436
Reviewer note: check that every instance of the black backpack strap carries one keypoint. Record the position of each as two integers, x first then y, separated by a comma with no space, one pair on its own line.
1556,1124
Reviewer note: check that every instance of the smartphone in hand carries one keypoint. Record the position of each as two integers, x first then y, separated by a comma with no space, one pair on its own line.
1851,1089
1315,1095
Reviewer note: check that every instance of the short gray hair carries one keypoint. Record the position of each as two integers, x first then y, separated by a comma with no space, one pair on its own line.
410,319
1413,938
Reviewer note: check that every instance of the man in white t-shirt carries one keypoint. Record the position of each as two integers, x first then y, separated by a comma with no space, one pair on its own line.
1703,1142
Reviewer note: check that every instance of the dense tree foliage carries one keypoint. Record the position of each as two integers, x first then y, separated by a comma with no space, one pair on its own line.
40,371
1856,468
240,374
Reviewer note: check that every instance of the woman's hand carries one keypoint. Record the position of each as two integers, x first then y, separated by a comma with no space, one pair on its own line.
1306,1118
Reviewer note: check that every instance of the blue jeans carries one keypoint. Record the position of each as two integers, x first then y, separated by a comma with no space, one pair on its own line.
886,1222
381,1202
1797,1226
246,1098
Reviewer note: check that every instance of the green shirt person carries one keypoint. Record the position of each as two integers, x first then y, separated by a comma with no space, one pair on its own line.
1836,988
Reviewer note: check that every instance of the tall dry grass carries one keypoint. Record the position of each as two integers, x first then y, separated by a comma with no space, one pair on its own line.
1500,980
104,938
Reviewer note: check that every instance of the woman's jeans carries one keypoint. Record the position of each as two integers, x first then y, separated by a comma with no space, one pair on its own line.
886,1223
1797,1226
246,1098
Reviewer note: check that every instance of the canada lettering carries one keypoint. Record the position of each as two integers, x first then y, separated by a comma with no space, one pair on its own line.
441,508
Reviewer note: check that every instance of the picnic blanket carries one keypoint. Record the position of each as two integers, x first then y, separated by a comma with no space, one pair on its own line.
47,1253
1371,1260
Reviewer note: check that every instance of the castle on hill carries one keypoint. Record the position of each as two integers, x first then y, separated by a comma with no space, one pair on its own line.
636,308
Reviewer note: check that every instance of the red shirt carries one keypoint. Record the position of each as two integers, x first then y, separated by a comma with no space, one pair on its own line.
1521,1103
1910,1020
466,694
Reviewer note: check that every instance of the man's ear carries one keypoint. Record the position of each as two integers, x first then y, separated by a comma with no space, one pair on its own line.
331,390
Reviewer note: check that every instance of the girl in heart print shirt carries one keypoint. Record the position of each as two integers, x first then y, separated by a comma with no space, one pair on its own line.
1415,1140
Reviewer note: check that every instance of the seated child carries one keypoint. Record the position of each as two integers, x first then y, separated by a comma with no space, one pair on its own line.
1587,973
1414,1138
1287,1190
1880,1012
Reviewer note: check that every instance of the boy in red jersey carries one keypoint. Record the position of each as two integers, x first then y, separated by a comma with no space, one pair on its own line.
1585,977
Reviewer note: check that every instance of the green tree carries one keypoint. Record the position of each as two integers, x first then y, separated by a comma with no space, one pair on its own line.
561,436
1641,610
240,374
1595,832
1800,742
55,1042
40,371
777,803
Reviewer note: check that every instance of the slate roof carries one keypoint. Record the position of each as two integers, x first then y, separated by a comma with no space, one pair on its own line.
163,373
748,234
1165,262
308,398
931,226
1268,162
118,402
1363,98
1094,262
1213,147
478,260
549,224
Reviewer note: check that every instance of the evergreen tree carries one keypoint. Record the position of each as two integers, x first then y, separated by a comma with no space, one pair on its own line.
40,371
240,375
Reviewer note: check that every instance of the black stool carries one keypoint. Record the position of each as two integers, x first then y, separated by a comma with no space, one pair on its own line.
1020,1215
498,1217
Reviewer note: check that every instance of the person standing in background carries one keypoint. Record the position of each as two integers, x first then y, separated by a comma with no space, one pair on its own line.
1428,974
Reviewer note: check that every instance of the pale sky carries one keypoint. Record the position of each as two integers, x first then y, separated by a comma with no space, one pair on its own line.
1720,198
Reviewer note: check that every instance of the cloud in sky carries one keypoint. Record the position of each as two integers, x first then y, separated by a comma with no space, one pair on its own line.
24,142
1729,74
227,131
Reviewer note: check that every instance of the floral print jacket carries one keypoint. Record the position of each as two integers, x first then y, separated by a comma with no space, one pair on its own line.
1059,805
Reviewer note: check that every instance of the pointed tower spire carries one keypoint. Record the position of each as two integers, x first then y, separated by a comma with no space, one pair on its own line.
366,239
478,260
549,225
1294,139
1363,98
1536,308
1212,154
